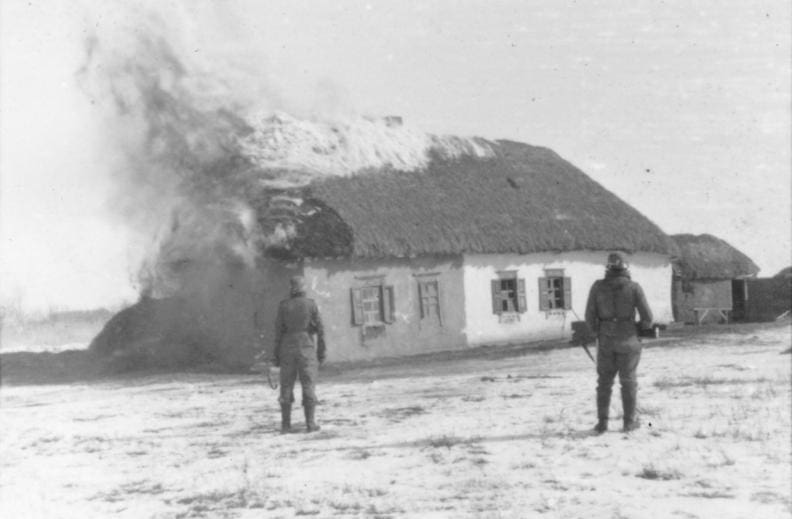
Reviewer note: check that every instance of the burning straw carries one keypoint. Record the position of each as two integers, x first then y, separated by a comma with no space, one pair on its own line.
202,161
210,171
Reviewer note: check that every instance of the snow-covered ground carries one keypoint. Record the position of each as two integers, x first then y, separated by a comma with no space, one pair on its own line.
474,437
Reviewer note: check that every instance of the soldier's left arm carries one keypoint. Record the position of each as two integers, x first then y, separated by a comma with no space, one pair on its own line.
318,327
279,328
643,307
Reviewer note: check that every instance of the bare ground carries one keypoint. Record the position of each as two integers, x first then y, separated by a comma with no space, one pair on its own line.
483,435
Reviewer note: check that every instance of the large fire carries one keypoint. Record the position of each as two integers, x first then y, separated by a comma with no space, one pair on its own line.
210,176
201,166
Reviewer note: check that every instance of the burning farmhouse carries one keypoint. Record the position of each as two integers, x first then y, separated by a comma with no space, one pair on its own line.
409,243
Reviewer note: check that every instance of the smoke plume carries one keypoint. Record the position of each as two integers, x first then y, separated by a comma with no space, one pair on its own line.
208,150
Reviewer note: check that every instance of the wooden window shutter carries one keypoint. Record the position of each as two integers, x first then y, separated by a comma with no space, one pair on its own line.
496,296
567,293
522,305
388,307
421,309
439,306
357,307
544,304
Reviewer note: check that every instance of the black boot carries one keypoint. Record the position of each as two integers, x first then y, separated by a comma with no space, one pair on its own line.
310,423
602,426
286,419
603,408
629,400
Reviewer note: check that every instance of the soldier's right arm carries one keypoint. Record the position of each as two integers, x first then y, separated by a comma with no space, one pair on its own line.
592,318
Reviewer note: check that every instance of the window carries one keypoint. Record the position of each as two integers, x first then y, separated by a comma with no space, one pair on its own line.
372,305
371,300
555,291
429,299
508,293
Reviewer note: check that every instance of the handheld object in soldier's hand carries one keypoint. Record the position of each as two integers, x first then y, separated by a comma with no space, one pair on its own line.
652,332
273,376
583,335
268,369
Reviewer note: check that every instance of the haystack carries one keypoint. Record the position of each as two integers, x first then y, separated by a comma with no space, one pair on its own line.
225,321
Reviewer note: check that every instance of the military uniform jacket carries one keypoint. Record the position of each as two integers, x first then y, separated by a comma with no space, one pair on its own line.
610,311
298,319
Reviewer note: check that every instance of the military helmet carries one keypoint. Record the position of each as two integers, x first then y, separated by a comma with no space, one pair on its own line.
297,284
616,261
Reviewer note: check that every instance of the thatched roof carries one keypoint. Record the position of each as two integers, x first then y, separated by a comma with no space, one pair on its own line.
522,199
707,257
784,273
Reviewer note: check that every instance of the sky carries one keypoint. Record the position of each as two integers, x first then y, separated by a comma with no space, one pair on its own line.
680,108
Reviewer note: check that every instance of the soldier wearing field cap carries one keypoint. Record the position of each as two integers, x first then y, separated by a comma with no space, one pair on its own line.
296,353
610,312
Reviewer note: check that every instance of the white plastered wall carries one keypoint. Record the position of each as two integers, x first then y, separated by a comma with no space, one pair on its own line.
652,271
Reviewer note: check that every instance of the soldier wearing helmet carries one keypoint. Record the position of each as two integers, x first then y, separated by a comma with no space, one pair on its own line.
610,313
296,354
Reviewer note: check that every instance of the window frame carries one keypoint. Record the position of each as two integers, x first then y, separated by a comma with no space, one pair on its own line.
508,299
385,299
424,282
555,291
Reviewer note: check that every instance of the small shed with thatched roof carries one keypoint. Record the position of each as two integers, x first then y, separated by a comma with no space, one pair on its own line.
709,279
469,250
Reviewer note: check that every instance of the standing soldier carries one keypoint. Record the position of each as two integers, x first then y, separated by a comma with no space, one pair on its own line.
610,312
297,322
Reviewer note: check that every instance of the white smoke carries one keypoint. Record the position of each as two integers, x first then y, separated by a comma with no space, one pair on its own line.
306,149
208,143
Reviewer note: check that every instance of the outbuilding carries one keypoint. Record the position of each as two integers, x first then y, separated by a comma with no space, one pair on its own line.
710,280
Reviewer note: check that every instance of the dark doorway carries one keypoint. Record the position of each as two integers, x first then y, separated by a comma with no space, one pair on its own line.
739,293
